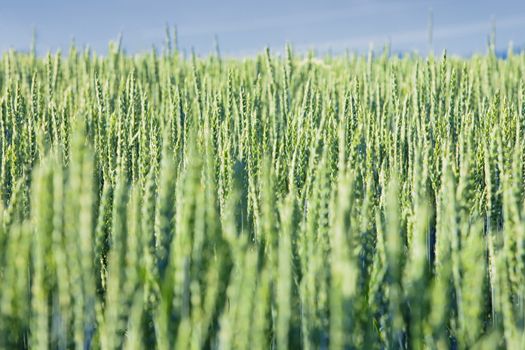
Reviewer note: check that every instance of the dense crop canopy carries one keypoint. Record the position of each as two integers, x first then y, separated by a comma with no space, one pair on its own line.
364,202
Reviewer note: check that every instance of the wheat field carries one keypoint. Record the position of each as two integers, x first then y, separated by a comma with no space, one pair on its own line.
158,201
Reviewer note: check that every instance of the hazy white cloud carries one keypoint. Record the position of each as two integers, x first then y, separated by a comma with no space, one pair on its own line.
417,37
296,19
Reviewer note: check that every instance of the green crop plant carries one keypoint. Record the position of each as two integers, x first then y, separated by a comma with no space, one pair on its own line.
278,201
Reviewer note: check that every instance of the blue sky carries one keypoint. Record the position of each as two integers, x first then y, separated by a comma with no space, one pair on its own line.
246,27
